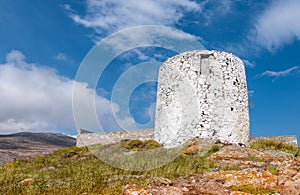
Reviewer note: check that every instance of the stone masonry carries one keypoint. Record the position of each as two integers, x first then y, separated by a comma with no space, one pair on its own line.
202,94
87,138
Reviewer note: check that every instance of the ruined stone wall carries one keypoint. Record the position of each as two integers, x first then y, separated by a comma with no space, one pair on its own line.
202,94
86,138
291,139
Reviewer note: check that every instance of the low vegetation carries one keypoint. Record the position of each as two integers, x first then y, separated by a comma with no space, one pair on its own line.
254,159
272,169
194,150
214,148
78,171
274,145
254,190
138,145
230,168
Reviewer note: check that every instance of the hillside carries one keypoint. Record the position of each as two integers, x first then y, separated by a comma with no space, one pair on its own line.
266,167
25,144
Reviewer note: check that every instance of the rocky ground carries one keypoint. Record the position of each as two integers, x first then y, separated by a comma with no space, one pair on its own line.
23,145
239,170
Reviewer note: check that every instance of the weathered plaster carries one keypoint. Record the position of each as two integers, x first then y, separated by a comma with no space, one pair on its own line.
202,94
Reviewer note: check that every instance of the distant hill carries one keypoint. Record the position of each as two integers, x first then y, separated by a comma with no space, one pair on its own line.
26,144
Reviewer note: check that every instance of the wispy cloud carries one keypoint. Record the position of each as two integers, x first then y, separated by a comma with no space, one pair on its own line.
61,57
283,73
278,25
249,63
108,16
212,9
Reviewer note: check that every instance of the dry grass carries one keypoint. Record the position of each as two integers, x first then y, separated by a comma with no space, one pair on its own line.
138,145
77,171
274,145
254,190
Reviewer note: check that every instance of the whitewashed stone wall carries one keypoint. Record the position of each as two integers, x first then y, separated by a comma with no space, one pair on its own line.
202,94
86,138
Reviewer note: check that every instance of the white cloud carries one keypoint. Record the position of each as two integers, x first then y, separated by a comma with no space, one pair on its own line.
283,73
278,25
108,16
105,17
112,15
216,9
15,57
36,98
61,57
153,36
248,63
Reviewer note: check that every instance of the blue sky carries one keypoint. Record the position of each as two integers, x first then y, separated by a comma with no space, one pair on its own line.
44,42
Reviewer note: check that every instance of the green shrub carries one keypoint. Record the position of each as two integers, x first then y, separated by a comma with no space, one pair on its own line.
214,149
254,159
273,145
151,144
20,162
137,145
70,151
297,152
254,190
272,169
95,147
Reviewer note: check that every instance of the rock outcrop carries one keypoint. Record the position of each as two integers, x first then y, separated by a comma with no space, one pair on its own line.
239,171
